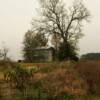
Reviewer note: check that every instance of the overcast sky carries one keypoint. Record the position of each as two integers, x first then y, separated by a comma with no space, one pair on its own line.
16,16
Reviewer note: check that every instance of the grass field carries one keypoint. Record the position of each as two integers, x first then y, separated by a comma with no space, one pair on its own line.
44,68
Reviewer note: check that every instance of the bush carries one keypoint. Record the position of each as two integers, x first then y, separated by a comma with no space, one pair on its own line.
67,51
20,78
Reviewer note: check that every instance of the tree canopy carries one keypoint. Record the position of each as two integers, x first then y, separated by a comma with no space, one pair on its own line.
32,41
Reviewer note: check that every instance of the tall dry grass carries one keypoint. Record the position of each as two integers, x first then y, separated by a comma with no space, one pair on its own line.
56,80
90,72
59,79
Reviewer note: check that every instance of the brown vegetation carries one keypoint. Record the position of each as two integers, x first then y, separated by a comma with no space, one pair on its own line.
64,78
59,80
90,72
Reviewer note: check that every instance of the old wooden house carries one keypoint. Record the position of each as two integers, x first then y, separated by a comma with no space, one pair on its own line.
43,54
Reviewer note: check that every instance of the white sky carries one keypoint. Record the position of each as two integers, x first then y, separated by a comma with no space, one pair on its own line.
16,16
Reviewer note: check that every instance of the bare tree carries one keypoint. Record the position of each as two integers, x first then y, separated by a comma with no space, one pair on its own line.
56,19
4,53
1,54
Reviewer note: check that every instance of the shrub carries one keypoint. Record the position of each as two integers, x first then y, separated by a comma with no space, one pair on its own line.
20,78
67,51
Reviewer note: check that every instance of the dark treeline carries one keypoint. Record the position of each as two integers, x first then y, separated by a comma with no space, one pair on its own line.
91,56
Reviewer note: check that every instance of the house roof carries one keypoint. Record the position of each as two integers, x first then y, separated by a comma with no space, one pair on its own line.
44,48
